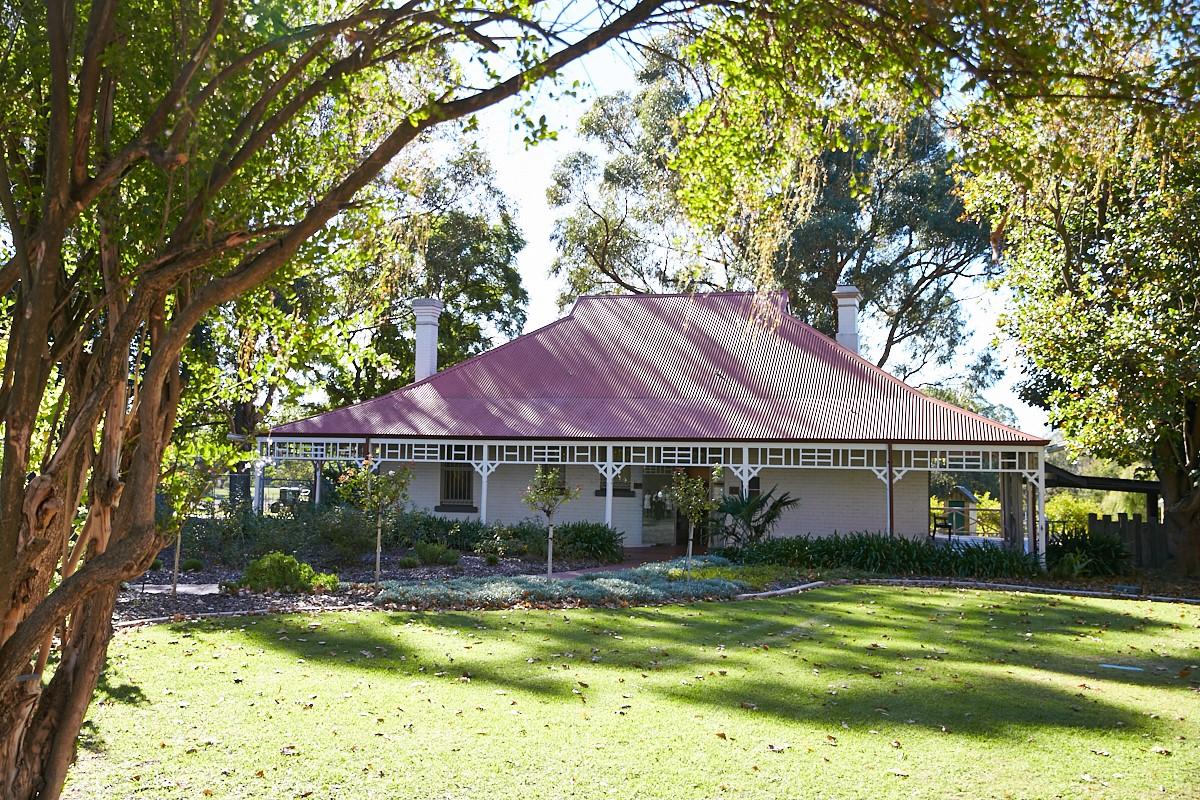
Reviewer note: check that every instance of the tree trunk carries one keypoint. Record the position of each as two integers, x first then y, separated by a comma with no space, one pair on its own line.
1181,502
1182,521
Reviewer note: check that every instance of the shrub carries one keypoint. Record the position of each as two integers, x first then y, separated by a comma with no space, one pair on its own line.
1076,553
753,518
432,553
593,541
156,564
280,572
408,562
348,532
491,559
191,565
243,536
890,555
324,583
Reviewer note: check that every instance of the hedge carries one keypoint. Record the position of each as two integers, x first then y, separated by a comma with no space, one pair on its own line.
889,555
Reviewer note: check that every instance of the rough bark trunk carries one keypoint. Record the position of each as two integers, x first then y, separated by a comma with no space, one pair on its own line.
1181,502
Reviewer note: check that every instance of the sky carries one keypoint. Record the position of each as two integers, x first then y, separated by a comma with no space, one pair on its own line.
524,174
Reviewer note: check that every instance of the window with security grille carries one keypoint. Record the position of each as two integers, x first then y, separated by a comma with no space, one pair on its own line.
458,484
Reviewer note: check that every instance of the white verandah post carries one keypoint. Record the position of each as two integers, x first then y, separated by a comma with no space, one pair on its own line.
258,489
609,470
1041,508
485,468
745,473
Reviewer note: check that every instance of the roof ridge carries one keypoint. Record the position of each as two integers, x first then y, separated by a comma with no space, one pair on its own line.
655,295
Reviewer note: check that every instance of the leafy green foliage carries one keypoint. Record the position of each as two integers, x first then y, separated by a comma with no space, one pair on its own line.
1071,508
753,518
345,534
438,227
192,564
905,243
583,541
1099,204
547,492
434,554
1074,552
369,487
691,496
889,555
279,572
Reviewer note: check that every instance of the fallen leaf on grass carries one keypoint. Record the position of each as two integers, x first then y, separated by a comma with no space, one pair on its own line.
721,735
778,748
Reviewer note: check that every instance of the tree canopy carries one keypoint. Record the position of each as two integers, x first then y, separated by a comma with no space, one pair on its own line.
161,164
1099,236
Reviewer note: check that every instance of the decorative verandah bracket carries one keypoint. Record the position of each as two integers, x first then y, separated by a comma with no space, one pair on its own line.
484,468
745,473
609,470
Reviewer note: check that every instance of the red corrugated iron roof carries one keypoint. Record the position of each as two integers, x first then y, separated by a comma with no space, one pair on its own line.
721,366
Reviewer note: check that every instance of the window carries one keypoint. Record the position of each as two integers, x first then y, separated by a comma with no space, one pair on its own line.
754,485
622,484
458,485
623,481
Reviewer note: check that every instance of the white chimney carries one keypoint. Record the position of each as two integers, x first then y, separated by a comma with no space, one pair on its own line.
847,316
427,311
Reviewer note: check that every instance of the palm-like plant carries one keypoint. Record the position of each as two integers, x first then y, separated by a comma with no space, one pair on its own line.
752,519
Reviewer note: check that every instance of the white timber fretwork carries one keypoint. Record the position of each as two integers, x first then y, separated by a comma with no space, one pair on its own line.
748,458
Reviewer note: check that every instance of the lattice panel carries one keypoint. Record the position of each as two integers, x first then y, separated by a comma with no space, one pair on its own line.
311,450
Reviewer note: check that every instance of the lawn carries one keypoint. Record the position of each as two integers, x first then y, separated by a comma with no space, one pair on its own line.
841,692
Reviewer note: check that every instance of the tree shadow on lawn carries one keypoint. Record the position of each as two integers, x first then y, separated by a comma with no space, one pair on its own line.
343,643
986,632
108,693
957,671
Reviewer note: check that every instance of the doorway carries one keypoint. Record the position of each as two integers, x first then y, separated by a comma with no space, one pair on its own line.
700,542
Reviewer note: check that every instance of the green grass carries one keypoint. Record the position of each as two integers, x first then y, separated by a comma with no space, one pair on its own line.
847,691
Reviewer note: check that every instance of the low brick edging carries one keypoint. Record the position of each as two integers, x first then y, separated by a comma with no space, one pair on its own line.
935,583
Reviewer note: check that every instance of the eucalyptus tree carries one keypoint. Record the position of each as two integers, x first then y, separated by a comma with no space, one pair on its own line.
159,161
434,228
883,217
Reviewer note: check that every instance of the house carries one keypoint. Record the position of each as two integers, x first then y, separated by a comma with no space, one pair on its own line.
626,389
